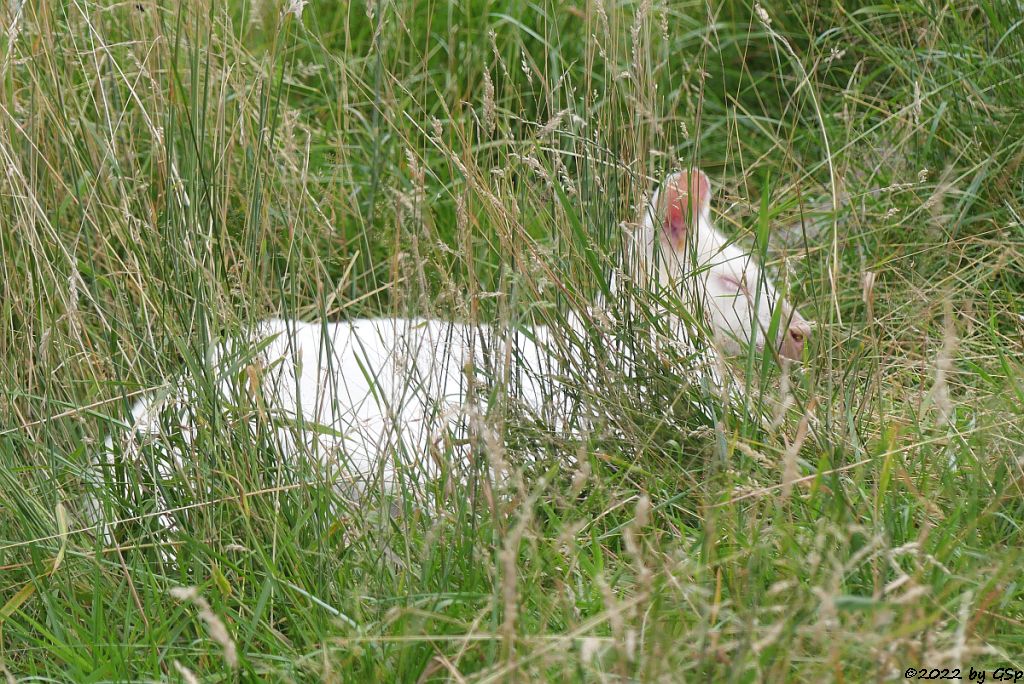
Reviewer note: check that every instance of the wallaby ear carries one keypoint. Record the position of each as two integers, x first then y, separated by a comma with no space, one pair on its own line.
687,198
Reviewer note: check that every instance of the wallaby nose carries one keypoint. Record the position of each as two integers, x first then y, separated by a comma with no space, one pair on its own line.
792,346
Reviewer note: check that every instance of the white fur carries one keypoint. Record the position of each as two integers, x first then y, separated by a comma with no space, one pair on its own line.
723,280
371,397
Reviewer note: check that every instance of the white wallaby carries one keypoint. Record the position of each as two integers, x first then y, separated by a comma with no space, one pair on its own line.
377,395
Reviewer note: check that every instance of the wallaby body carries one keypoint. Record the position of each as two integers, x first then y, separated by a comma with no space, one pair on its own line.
376,395
353,393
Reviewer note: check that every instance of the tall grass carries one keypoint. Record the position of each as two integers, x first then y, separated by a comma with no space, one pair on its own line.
173,172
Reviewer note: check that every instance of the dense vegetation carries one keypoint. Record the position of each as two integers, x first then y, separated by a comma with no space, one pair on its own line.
174,171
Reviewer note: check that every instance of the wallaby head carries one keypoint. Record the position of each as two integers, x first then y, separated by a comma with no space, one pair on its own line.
738,299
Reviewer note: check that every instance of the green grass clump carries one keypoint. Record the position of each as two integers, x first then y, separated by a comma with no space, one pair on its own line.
173,172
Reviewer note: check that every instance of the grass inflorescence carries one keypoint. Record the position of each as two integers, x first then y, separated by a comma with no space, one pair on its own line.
174,172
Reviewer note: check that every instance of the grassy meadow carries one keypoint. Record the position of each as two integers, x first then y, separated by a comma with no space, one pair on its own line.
174,171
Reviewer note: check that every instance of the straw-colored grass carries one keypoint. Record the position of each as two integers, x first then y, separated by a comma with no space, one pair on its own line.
172,172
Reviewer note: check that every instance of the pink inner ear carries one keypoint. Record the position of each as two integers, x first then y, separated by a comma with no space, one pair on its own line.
687,195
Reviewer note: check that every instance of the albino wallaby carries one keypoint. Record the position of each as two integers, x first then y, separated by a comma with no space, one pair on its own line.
373,395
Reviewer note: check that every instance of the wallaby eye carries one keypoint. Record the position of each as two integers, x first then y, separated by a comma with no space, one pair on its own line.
734,284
